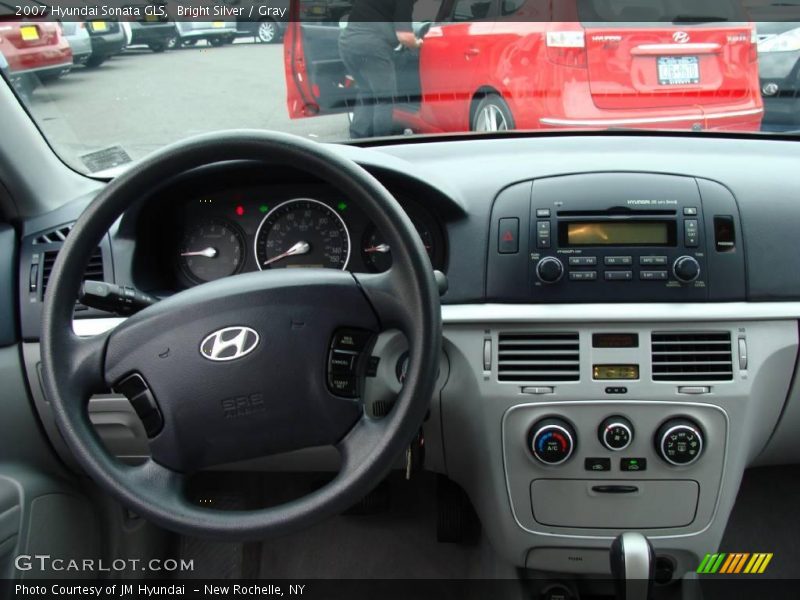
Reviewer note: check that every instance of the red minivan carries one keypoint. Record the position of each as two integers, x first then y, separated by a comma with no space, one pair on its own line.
533,64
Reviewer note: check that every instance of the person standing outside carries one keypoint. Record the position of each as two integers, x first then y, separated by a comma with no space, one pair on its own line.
374,30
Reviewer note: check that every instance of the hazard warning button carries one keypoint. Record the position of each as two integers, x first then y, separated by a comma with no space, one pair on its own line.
508,236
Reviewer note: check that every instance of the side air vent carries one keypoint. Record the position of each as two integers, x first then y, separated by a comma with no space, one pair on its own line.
93,272
53,237
535,357
692,356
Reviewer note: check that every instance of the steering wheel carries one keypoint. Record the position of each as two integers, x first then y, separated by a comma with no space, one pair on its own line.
237,368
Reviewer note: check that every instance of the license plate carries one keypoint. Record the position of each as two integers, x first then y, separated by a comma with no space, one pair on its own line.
678,70
150,18
29,34
219,23
99,26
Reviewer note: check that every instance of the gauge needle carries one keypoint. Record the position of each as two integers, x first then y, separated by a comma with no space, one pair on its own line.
298,248
208,253
381,248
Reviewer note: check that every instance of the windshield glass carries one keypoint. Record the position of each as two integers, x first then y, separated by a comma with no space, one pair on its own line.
109,83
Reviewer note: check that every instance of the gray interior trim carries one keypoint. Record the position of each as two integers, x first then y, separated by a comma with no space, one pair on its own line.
619,313
23,162
572,313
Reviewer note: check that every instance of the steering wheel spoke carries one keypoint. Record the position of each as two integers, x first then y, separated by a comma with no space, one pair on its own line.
82,361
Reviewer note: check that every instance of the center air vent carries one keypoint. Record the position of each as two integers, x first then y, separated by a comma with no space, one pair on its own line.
536,357
692,356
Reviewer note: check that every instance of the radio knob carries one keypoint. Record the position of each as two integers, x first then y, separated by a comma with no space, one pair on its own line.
552,441
679,442
686,269
550,270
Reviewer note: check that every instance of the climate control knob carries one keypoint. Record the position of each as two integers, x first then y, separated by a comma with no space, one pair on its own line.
679,442
686,269
549,270
615,433
552,441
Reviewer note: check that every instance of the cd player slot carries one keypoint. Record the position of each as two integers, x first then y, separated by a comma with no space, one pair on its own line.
620,211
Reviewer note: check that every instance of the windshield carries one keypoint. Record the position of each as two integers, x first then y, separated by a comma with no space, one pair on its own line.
108,84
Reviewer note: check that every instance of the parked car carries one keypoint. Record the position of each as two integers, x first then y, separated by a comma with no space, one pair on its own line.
268,21
33,50
79,40
158,35
779,69
108,39
216,33
479,64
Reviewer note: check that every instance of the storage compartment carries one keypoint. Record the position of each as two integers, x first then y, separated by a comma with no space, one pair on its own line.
614,504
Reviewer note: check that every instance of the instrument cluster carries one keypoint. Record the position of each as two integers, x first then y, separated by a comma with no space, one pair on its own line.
284,227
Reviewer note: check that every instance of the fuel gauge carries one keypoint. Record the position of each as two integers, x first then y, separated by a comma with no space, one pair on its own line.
377,253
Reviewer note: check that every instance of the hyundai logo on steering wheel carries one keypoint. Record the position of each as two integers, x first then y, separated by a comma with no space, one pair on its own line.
229,343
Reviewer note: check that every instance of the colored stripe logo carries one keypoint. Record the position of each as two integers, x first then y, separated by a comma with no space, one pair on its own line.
735,563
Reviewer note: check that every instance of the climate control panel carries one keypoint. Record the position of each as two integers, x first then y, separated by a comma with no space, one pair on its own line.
678,442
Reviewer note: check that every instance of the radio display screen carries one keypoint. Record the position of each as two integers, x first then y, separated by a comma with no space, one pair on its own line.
617,233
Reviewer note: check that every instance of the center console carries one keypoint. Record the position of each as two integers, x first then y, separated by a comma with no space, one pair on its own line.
598,405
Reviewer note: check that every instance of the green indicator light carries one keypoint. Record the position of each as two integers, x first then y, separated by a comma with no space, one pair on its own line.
342,206
634,462
263,208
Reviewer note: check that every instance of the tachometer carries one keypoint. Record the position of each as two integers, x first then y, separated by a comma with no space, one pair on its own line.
302,233
211,249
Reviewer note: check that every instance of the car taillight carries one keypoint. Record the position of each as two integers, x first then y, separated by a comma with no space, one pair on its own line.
567,48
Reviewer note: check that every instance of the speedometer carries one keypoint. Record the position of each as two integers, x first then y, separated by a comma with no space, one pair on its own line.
302,233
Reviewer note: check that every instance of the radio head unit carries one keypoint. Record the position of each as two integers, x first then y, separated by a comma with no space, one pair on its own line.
611,237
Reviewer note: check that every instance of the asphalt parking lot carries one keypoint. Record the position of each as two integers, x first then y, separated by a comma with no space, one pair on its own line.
141,101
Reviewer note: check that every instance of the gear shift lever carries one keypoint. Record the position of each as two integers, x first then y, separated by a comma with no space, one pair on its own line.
633,566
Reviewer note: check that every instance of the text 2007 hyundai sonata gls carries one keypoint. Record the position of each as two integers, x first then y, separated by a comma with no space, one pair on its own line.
249,355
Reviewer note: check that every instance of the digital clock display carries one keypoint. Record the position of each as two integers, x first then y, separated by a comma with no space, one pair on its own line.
604,372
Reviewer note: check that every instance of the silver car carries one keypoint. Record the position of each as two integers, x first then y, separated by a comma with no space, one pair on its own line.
79,40
216,32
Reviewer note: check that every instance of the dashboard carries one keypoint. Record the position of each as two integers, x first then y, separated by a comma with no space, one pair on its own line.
620,327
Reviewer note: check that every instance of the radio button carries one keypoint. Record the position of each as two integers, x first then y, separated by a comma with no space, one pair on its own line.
619,275
582,261
542,213
691,233
653,275
690,211
618,261
583,275
542,234
652,260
